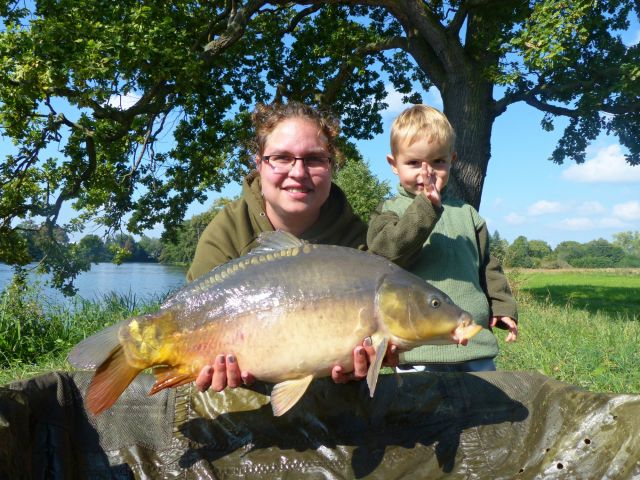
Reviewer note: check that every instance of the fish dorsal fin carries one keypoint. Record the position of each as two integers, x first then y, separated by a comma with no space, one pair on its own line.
286,394
269,242
374,368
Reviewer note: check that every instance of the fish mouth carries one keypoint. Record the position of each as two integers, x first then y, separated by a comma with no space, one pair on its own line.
465,330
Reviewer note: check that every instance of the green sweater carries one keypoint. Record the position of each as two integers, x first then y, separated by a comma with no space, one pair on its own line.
233,232
448,247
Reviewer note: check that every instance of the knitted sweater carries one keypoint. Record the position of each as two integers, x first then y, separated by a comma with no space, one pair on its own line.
449,248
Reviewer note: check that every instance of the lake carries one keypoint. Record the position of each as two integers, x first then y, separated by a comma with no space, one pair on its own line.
144,281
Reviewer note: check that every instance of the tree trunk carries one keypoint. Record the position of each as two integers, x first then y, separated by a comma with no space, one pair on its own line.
468,106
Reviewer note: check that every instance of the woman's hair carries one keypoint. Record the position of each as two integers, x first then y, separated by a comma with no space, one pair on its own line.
421,121
266,117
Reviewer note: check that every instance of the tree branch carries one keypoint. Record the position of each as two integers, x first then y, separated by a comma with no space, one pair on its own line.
333,86
300,16
238,20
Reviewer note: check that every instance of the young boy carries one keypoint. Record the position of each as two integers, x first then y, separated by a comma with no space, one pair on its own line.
442,239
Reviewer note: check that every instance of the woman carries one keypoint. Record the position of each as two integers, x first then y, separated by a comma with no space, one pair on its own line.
290,190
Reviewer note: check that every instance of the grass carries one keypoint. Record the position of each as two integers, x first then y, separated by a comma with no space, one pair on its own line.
580,327
35,337
610,291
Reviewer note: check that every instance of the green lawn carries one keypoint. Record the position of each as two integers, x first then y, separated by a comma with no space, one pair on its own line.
579,327
611,291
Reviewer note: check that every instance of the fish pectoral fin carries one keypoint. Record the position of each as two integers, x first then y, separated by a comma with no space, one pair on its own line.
286,394
374,368
169,377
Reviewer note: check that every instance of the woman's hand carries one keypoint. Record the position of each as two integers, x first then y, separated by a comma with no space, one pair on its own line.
363,356
225,372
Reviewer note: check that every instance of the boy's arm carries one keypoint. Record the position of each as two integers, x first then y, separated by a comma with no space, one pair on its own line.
400,238
494,281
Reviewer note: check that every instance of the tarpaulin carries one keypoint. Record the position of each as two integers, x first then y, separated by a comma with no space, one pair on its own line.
492,425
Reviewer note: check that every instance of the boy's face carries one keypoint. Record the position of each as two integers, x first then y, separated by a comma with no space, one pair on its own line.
408,160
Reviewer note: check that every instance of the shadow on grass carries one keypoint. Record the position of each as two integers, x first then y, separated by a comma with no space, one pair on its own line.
623,301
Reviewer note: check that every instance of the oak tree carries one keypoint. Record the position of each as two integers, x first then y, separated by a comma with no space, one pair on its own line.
129,111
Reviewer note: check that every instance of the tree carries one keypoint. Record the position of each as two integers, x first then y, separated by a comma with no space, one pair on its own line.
67,66
361,187
498,246
518,254
152,248
180,248
567,251
629,242
93,249
599,254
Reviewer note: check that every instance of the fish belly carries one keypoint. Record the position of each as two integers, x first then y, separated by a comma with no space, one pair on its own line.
285,343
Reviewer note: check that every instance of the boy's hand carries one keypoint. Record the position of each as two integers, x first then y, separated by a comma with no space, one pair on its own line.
430,190
506,323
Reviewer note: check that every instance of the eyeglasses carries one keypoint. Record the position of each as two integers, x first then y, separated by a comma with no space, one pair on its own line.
284,163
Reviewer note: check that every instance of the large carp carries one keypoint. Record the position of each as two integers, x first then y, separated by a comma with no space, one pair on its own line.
289,312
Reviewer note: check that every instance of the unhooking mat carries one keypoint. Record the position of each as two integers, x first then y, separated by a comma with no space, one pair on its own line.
493,425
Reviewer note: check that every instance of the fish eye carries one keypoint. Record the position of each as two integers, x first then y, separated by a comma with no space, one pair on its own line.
435,303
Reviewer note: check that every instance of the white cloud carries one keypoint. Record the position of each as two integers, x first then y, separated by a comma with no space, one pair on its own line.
394,100
627,211
608,165
584,223
590,208
123,102
515,219
612,223
544,207
573,224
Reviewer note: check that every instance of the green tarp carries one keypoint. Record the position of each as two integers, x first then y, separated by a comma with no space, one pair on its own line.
457,426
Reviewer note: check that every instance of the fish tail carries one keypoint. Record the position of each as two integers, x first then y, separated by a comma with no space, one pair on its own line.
96,349
112,377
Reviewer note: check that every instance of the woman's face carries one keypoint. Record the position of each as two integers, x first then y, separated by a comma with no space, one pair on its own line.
293,199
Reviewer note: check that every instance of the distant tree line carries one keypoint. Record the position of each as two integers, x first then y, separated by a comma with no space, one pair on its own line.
623,251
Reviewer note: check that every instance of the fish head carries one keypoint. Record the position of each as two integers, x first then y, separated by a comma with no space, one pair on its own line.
416,313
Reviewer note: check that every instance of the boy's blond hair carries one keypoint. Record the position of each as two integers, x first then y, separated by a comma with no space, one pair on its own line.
422,120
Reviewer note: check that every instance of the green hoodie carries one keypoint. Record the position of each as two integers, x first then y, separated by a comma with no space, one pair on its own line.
233,232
